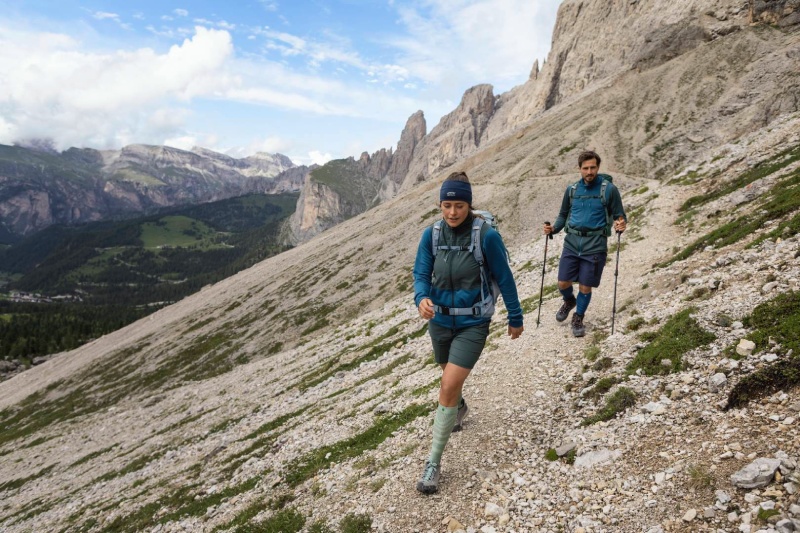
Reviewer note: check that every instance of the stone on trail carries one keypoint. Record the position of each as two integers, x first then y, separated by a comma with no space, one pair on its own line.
757,474
745,347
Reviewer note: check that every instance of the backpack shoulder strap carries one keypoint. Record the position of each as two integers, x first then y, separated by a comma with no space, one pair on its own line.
572,189
603,187
477,242
435,232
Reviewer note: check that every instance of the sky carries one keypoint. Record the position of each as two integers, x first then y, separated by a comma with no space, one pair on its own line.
311,79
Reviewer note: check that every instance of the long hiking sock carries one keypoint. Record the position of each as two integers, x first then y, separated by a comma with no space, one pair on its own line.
566,293
443,424
583,302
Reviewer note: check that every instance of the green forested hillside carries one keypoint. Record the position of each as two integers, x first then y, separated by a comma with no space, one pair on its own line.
81,282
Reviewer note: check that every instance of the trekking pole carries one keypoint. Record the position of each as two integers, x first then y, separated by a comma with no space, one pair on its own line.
544,263
616,274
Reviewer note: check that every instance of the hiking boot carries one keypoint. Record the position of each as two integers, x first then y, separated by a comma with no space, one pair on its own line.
566,307
578,329
429,483
462,413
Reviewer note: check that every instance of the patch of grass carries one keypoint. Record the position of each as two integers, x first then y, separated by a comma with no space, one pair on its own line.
307,466
761,170
591,352
93,455
764,514
601,387
551,455
356,523
616,403
17,483
782,202
425,389
779,320
635,323
179,504
320,527
133,466
531,303
679,335
570,457
567,149
284,521
431,213
699,477
602,364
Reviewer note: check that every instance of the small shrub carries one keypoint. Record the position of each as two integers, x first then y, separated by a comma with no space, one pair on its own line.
570,457
603,364
699,477
601,387
635,323
591,352
551,455
320,527
286,521
356,523
620,400
377,484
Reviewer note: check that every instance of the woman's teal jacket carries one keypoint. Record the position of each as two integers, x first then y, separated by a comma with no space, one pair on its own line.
452,278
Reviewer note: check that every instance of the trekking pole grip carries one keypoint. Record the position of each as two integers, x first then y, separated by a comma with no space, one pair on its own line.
547,223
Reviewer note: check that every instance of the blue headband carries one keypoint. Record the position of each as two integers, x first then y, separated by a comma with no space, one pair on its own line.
456,191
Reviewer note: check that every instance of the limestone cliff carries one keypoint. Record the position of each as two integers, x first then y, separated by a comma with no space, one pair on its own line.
457,135
335,192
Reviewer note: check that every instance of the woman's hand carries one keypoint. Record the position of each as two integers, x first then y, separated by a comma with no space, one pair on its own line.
515,332
426,308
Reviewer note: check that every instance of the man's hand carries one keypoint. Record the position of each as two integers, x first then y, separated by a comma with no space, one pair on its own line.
548,229
515,332
620,225
426,308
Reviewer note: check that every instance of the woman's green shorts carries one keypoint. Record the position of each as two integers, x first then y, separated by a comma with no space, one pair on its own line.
462,347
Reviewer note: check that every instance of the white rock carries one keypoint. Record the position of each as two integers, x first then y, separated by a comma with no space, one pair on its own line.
492,509
745,347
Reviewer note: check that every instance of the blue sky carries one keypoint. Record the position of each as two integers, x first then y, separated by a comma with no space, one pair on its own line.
314,79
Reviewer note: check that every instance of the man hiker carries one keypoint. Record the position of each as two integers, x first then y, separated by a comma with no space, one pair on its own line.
591,207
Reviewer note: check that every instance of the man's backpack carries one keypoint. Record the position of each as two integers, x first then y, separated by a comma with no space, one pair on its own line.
603,199
490,290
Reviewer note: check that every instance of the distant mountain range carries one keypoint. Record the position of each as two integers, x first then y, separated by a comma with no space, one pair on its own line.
39,188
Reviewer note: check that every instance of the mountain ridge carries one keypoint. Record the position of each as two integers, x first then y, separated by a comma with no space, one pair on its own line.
38,188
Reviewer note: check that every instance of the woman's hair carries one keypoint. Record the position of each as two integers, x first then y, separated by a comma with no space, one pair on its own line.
458,176
587,155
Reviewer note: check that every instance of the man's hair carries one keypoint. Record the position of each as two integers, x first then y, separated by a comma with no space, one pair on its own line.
458,176
587,155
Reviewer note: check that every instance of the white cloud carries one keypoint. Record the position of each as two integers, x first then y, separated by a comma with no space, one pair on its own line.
272,145
318,158
53,89
102,15
181,12
457,42
186,142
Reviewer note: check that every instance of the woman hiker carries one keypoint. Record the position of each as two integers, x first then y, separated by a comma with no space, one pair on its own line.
456,296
